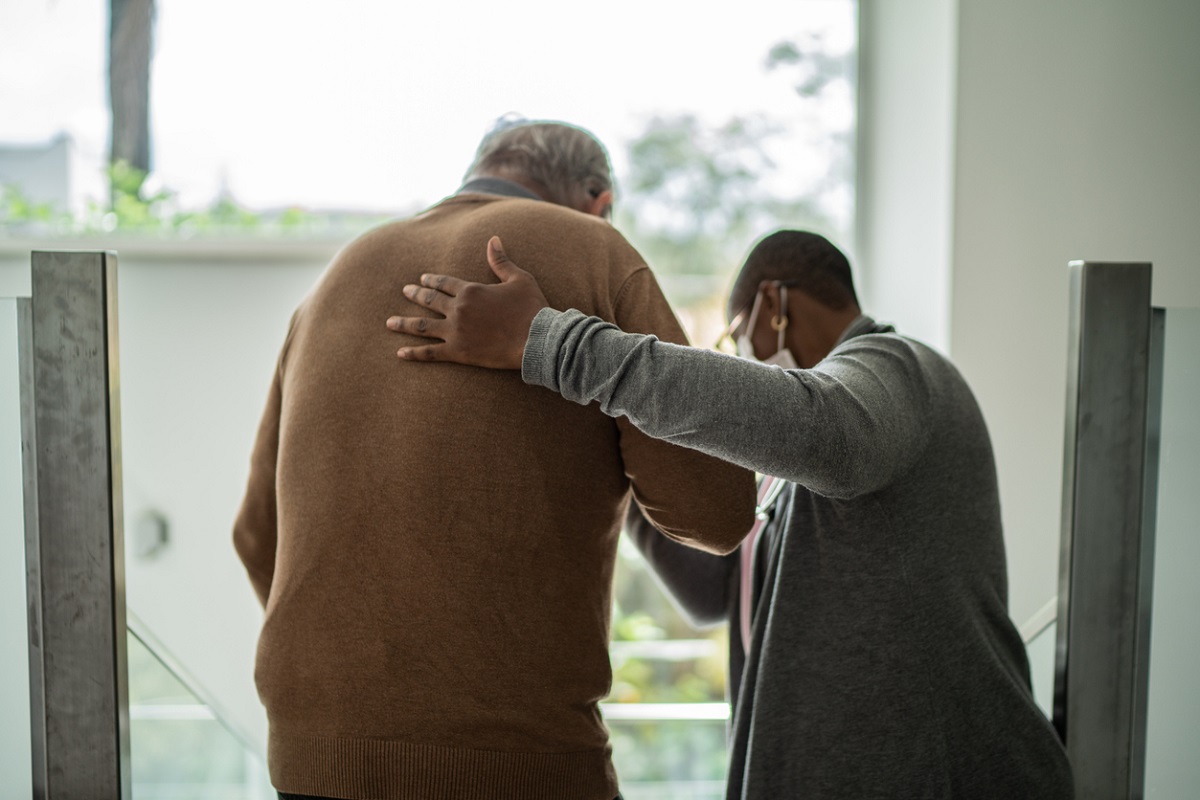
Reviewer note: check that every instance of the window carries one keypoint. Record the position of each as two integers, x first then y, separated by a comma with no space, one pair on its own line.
275,121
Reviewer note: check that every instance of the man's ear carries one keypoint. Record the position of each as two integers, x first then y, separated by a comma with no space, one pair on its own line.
600,205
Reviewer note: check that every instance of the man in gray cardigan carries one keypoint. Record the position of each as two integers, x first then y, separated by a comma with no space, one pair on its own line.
880,660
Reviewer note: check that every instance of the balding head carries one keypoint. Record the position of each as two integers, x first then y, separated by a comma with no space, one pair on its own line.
800,259
562,163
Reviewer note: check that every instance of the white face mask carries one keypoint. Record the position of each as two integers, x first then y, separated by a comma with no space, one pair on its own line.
782,357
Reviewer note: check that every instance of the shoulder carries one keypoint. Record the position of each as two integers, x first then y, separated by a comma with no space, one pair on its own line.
892,360
892,345
886,361
558,245
568,227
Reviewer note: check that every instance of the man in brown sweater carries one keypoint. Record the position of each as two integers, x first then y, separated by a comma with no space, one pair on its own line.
434,547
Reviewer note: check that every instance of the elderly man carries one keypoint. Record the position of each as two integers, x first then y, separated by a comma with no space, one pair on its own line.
434,547
879,658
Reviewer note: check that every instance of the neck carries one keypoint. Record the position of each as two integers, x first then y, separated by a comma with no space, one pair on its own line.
814,338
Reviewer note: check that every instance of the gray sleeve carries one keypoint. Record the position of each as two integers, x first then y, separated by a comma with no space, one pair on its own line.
844,428
700,584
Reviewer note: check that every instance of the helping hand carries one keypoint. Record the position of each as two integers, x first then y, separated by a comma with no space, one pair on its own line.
484,325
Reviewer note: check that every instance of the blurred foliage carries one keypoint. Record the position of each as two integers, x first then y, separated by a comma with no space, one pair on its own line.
817,70
136,208
17,208
698,194
814,63
696,197
677,751
642,612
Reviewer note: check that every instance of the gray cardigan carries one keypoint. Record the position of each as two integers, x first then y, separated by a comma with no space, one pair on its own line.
883,662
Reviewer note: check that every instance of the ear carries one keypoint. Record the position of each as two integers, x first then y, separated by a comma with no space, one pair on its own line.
599,205
770,293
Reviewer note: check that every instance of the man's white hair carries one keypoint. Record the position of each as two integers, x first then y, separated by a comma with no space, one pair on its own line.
567,163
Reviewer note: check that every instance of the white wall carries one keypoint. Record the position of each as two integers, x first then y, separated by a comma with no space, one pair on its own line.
1076,139
200,327
1073,137
198,346
905,177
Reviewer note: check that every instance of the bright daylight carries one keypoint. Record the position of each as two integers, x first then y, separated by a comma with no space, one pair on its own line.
277,132
661,400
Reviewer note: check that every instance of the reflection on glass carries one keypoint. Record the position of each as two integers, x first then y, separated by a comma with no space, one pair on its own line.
15,757
180,750
1173,712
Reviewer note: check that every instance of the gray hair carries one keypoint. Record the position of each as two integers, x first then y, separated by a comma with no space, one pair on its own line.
566,162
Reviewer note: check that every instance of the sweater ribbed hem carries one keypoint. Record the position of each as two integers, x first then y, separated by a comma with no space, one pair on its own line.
382,769
538,368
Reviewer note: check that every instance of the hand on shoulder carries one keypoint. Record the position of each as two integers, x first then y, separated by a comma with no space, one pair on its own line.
483,325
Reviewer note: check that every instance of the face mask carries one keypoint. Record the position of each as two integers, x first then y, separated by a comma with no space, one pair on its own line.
783,357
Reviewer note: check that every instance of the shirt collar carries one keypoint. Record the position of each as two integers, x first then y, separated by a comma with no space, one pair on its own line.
500,186
863,324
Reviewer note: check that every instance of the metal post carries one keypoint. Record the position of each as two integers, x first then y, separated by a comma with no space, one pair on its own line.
1106,561
70,413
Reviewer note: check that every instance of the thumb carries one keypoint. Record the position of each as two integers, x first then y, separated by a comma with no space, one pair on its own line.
500,263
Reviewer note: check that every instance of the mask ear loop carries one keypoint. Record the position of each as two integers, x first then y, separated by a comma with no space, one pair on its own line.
779,322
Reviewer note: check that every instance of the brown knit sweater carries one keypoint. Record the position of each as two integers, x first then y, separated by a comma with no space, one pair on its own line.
434,544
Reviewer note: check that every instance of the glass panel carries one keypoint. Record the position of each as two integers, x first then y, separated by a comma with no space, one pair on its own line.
1173,722
15,755
1041,667
668,759
180,750
765,120
667,712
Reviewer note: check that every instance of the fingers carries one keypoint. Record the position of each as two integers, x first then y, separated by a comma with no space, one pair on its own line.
425,352
500,263
421,326
428,327
446,284
430,298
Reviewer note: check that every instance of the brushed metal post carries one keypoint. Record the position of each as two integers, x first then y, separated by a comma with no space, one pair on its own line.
1107,547
70,430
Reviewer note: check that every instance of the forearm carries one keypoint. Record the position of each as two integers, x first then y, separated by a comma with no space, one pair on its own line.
254,541
255,530
697,581
839,430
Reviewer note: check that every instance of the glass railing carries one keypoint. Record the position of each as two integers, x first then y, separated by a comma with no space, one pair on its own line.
667,714
190,406
669,759
15,753
189,413
180,749
1041,667
1173,710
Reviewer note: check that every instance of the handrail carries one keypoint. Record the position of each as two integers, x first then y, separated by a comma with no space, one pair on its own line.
665,712
1042,619
139,630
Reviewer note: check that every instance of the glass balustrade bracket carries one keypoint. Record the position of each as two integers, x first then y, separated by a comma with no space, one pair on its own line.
70,435
1106,560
